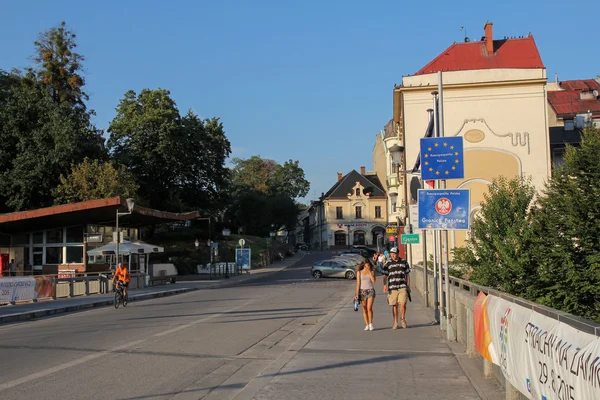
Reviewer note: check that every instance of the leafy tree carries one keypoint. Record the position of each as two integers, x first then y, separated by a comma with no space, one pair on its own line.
92,180
498,251
290,180
270,178
59,65
566,224
39,140
179,162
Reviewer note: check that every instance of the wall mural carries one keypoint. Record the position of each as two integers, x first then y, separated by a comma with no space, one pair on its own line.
474,135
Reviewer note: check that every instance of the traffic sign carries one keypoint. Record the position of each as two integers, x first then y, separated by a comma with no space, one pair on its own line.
242,242
443,158
444,209
410,238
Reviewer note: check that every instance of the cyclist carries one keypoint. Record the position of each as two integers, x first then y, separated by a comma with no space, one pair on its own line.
122,274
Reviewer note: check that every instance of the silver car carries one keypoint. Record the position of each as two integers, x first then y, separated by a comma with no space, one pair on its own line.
337,268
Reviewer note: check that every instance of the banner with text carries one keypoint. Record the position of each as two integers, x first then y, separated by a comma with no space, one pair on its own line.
540,356
25,289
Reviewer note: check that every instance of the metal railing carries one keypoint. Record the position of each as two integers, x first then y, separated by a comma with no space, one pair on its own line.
460,312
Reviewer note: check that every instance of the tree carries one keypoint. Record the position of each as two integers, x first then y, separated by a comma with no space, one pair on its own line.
39,140
498,251
59,65
566,224
178,162
92,180
270,178
290,180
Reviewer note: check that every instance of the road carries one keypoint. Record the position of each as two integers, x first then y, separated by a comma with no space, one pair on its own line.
205,344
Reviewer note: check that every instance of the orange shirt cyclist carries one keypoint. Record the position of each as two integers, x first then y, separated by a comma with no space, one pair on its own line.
122,274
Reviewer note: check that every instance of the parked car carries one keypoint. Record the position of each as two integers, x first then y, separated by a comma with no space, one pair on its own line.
335,268
301,246
370,251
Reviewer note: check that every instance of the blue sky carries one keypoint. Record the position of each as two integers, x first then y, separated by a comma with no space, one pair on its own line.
303,80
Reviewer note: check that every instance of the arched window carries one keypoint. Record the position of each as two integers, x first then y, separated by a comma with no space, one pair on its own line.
358,192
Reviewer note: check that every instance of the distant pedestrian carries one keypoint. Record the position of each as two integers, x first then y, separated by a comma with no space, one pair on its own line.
365,291
396,283
380,262
13,268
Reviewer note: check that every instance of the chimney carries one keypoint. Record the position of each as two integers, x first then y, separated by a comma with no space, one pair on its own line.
489,40
339,176
363,170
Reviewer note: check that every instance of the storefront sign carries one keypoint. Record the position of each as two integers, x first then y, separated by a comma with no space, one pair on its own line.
540,356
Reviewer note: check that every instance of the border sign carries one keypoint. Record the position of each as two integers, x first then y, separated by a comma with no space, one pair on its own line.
443,158
444,209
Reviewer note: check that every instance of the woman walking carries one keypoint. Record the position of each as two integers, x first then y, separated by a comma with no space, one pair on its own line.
365,291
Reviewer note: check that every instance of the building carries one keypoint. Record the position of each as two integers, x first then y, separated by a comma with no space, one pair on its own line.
352,212
495,98
54,239
572,105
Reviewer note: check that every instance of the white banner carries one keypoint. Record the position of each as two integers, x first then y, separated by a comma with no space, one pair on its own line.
16,289
543,358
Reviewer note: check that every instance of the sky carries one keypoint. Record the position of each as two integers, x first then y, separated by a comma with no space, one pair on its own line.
302,80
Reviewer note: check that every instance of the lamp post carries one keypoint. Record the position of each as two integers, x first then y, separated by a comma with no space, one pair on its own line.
396,152
130,206
226,232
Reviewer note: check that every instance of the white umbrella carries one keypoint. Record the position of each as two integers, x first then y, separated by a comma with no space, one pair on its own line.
126,248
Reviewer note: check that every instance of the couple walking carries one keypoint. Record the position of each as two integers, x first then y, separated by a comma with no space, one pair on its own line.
396,283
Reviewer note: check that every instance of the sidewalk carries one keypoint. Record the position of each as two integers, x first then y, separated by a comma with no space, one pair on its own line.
339,360
26,311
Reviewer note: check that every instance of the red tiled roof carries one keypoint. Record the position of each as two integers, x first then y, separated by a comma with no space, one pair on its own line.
568,102
508,53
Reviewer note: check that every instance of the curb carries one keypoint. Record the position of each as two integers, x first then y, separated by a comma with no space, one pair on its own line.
29,315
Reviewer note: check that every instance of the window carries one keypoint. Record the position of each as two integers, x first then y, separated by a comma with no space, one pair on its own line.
339,213
38,238
358,212
74,255
75,234
54,236
393,207
377,211
357,191
20,239
54,255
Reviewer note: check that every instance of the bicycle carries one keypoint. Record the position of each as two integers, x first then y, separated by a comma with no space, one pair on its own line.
120,297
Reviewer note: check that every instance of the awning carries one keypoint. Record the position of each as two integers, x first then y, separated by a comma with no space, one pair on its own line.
126,248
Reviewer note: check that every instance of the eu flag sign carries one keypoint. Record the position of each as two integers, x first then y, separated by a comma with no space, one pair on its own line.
442,158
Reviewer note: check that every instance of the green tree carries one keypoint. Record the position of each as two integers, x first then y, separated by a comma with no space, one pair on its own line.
59,65
290,180
39,140
566,224
93,179
178,162
498,252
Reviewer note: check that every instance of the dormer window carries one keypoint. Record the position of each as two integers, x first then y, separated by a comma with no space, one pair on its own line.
358,192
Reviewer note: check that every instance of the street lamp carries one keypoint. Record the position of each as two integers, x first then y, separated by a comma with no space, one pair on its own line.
226,232
130,206
396,152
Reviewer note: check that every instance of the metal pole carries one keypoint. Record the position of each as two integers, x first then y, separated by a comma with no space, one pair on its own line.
118,240
449,332
436,277
424,238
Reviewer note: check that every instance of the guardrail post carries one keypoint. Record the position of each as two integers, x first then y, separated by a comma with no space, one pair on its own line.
54,287
71,288
471,350
488,371
460,321
451,309
87,286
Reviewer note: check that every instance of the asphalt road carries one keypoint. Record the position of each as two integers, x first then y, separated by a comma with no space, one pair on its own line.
205,344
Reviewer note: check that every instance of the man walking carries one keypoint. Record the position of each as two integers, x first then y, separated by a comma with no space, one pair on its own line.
13,268
396,283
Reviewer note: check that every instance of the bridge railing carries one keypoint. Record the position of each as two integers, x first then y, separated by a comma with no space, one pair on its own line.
461,308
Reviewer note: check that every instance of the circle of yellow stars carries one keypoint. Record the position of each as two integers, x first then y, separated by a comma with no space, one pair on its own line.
456,161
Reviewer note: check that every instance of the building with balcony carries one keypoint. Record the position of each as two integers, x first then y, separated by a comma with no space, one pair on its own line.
494,96
352,212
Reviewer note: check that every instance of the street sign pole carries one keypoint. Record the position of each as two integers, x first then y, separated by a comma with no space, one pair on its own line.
436,296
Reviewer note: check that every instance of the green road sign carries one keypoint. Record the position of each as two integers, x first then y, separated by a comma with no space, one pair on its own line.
410,238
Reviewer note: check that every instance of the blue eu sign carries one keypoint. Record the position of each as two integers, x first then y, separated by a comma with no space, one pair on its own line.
442,158
444,209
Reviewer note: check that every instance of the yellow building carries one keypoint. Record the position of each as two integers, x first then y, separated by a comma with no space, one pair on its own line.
494,96
353,212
